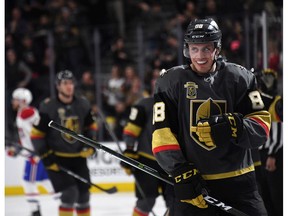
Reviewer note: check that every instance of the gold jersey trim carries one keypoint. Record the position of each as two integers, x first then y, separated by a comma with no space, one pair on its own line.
263,116
146,155
37,133
133,129
229,174
69,155
162,137
272,110
257,163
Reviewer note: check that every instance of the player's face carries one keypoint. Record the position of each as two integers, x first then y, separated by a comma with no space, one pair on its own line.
66,88
202,56
15,104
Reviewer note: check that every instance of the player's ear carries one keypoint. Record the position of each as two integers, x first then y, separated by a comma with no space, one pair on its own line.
217,53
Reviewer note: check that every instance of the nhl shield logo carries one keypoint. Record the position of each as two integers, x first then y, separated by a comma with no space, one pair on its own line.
191,90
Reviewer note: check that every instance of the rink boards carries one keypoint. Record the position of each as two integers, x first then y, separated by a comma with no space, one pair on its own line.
105,171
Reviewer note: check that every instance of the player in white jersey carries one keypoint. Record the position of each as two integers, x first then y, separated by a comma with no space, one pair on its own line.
34,173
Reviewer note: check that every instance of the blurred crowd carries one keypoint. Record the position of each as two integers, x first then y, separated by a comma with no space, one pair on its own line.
51,35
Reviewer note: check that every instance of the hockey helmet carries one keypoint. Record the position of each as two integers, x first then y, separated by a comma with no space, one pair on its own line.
202,31
268,81
22,94
64,75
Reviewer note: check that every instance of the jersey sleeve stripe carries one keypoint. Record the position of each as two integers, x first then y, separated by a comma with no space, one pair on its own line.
36,134
262,118
164,139
132,130
166,148
93,127
162,136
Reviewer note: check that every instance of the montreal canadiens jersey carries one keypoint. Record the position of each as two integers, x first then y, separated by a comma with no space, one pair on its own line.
182,98
25,119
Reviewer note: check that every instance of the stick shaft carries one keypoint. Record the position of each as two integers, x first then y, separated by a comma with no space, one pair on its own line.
115,139
113,153
69,172
139,166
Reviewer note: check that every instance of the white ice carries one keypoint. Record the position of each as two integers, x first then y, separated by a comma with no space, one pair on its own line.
118,204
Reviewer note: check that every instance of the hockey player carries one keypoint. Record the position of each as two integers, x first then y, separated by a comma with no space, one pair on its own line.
60,149
208,114
137,135
35,172
271,153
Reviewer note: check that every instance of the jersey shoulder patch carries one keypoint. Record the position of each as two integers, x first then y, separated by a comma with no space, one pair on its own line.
171,70
27,112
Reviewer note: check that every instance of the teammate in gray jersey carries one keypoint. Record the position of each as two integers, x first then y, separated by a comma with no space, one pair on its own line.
137,135
208,115
57,148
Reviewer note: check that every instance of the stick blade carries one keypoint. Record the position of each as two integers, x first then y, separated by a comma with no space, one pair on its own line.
111,190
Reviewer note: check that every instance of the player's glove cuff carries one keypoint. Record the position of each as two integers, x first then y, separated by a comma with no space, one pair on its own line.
48,158
189,185
188,181
87,152
131,154
53,167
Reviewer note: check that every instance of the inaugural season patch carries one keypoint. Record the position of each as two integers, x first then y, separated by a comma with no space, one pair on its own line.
191,90
203,109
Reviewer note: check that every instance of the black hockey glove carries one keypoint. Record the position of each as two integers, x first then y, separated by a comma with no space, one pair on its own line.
131,154
220,129
189,185
49,162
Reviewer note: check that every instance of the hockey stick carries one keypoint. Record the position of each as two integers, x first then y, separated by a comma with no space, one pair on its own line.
140,166
115,139
69,172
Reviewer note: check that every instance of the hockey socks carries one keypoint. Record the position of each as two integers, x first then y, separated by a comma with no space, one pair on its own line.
138,212
83,211
65,211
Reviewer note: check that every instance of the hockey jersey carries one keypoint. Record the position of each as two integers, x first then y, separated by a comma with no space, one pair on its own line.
76,116
26,117
139,127
183,97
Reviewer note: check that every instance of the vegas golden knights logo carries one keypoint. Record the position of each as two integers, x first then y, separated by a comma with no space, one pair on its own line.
71,122
191,92
203,109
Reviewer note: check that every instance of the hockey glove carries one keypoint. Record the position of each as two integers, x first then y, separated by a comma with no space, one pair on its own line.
220,129
53,167
87,152
49,162
188,185
34,160
131,154
13,151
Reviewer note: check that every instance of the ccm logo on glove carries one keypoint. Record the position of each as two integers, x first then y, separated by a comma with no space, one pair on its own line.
185,175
